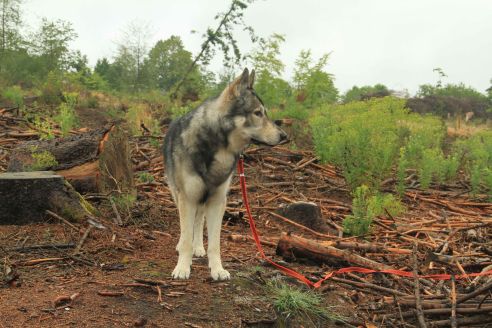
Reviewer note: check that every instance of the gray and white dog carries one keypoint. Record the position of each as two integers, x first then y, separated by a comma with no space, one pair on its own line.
201,150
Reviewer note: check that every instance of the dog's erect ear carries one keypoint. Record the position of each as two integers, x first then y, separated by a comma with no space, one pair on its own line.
240,84
251,79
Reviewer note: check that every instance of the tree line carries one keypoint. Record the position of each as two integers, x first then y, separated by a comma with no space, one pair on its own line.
46,56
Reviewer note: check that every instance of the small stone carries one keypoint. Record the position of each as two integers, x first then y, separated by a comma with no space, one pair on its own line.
140,322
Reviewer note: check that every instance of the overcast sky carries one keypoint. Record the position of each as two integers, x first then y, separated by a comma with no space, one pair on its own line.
394,42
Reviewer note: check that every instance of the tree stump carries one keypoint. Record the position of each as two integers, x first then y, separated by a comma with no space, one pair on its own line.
95,161
25,197
307,214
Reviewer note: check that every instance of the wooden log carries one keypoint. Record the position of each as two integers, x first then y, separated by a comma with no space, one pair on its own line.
291,247
25,197
95,161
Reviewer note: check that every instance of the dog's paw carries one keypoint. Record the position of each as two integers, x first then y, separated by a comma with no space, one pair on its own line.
181,272
220,274
199,252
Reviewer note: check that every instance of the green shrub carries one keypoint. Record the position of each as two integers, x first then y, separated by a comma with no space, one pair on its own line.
51,89
476,154
364,139
365,207
145,177
67,118
382,204
44,128
14,95
401,172
292,110
297,303
42,160
359,222
176,111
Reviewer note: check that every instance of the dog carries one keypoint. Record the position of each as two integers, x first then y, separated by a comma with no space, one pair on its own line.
201,150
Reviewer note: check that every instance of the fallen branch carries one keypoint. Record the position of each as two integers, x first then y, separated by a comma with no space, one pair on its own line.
290,247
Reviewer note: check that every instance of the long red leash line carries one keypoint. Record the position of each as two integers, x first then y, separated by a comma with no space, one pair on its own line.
317,284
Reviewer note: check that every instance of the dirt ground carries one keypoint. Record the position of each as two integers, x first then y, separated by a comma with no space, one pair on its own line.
123,255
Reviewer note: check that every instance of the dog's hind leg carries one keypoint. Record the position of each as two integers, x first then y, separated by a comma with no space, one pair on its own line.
198,249
187,212
214,211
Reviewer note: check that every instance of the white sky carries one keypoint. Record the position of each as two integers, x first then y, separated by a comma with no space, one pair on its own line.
394,42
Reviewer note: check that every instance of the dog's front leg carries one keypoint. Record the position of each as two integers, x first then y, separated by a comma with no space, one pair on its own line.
214,212
198,249
187,212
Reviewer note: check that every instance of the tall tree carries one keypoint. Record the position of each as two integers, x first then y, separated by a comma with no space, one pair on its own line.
269,68
167,62
132,50
51,42
314,85
10,37
10,16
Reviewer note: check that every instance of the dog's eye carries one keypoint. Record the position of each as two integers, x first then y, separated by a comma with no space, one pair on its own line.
258,113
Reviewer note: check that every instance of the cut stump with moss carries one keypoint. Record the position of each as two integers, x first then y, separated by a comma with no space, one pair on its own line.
96,161
25,197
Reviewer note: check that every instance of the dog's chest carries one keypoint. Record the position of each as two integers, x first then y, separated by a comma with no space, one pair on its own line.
222,165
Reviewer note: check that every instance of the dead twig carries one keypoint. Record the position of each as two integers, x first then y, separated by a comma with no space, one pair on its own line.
82,240
58,217
418,304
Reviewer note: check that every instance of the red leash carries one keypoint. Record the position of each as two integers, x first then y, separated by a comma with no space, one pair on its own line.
304,279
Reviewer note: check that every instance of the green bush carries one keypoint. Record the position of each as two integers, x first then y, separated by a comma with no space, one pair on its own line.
42,161
14,95
364,138
67,118
365,207
292,110
476,154
293,303
51,89
44,127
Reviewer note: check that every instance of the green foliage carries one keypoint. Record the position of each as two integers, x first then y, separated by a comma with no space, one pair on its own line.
145,177
294,110
265,57
313,85
274,91
51,43
167,63
476,154
401,172
42,160
51,89
364,138
67,118
124,201
382,204
44,127
14,95
139,114
294,302
176,110
454,99
365,92
365,207
359,222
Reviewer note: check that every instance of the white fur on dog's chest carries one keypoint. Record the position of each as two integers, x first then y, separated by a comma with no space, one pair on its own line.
223,162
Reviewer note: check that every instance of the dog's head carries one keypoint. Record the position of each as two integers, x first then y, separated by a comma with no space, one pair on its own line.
249,114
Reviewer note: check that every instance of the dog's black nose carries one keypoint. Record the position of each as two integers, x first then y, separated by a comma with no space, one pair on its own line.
278,122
